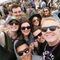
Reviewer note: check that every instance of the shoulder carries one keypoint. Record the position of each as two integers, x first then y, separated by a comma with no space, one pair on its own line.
36,57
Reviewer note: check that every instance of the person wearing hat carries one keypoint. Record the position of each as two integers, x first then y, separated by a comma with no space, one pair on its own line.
11,35
35,20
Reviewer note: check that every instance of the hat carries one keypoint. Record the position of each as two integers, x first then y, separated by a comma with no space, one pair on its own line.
35,15
12,18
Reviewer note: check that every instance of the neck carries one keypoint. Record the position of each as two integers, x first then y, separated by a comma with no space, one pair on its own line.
13,35
54,43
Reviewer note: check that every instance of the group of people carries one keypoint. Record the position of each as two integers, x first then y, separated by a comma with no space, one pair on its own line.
33,37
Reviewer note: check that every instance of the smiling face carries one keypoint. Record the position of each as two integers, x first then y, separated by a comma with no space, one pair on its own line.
51,31
25,28
35,21
17,12
24,52
13,26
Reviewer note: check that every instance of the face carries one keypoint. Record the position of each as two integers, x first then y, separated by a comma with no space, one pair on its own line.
25,28
51,31
35,21
24,52
46,12
13,26
17,12
37,34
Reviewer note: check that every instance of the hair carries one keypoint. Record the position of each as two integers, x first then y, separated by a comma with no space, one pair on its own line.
48,10
35,28
49,19
23,20
21,42
35,15
14,6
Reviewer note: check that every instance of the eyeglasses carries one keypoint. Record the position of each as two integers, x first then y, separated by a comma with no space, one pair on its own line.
16,23
23,28
24,51
51,28
38,35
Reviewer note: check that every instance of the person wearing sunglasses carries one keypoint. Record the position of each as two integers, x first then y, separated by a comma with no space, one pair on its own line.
38,40
51,33
23,51
35,20
26,30
12,34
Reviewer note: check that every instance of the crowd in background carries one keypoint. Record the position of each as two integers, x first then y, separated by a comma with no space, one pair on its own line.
30,30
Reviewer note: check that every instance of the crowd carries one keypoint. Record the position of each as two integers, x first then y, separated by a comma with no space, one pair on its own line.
30,30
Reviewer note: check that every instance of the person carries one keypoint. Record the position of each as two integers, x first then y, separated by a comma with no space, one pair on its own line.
16,11
46,12
39,41
51,33
25,28
11,35
23,51
35,20
4,55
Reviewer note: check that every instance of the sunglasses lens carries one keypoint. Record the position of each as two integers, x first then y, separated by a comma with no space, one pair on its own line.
40,34
20,53
28,27
52,28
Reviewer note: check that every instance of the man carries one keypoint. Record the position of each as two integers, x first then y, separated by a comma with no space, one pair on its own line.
51,33
23,51
16,11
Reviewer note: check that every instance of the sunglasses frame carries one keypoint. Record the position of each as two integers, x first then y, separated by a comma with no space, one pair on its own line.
23,28
38,35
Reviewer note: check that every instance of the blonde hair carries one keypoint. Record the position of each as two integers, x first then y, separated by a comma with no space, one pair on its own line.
49,19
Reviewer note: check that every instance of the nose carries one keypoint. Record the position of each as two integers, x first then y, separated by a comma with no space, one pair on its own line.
14,24
25,28
24,53
48,30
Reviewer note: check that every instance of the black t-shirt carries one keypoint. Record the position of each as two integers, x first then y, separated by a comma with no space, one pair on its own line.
51,53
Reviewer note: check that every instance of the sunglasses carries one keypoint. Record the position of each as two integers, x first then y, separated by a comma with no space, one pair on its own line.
35,20
11,23
38,35
23,28
24,51
51,28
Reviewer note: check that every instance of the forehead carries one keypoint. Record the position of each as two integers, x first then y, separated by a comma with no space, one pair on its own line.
16,9
36,32
25,24
35,17
22,47
50,23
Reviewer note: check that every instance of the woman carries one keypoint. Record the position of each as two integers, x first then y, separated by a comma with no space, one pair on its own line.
35,20
26,30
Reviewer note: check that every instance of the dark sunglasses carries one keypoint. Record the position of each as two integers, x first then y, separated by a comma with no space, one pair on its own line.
11,23
51,28
24,51
38,35
23,28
